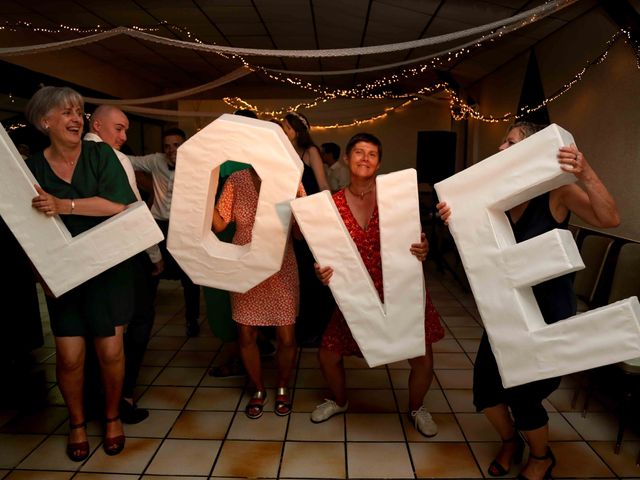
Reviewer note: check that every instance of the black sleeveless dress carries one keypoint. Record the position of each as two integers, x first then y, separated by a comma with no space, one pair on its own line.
556,300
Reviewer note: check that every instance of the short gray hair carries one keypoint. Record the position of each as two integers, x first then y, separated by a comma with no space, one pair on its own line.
48,98
527,128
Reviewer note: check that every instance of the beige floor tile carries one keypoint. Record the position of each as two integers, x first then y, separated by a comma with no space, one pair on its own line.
177,477
400,379
133,459
51,455
578,460
357,362
268,427
209,398
560,429
148,374
452,361
596,426
447,345
156,426
378,460
461,400
561,399
3,472
306,399
313,460
469,345
460,321
476,427
42,475
302,428
454,379
169,398
44,371
54,397
201,425
166,343
308,360
448,429
624,463
401,365
157,358
169,330
234,455
452,310
192,359
370,378
15,447
45,420
434,401
374,427
184,457
467,333
203,344
180,376
209,381
104,476
443,460
371,400
310,378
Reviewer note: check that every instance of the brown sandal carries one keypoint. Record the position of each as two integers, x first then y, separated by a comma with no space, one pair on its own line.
113,446
283,402
256,404
78,451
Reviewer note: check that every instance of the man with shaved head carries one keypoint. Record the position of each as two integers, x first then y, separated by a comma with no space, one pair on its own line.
109,124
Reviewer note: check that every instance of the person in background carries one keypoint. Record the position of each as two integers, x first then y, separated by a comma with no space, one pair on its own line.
336,168
316,301
357,205
109,124
162,166
556,299
83,183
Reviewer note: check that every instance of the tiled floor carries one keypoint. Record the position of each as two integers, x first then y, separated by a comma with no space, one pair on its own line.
197,428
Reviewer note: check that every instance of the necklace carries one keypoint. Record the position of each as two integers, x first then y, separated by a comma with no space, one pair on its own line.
360,194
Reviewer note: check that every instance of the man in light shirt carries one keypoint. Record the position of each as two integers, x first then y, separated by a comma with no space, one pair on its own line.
109,124
162,166
336,169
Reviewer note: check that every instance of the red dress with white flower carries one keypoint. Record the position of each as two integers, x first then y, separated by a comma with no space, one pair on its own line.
337,337
274,301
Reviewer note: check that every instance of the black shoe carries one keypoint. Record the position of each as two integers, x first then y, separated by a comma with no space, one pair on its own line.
132,414
193,328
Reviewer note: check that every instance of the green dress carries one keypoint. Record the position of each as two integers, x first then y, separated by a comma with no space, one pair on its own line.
95,307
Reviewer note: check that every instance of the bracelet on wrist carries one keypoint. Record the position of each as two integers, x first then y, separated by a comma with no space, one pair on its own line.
73,206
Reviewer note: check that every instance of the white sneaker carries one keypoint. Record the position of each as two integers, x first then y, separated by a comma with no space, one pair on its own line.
423,422
326,410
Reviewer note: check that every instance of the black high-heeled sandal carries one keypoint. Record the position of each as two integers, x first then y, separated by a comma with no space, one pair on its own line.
78,451
496,469
547,456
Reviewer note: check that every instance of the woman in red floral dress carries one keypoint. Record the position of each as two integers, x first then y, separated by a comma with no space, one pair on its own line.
273,302
359,211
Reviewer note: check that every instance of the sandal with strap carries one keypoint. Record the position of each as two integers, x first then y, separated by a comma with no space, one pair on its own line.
498,470
114,445
548,456
78,451
283,402
256,404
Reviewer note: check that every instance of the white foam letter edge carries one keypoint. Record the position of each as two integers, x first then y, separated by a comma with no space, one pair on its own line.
502,272
393,331
63,261
207,260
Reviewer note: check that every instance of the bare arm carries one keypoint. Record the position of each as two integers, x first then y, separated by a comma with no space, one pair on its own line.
594,204
91,207
218,223
318,168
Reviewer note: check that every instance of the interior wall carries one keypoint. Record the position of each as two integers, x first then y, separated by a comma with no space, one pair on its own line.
602,111
397,131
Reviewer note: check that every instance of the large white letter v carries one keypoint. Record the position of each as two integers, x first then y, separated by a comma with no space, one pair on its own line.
393,331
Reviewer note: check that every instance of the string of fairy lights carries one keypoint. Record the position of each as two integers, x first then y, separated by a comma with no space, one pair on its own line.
376,89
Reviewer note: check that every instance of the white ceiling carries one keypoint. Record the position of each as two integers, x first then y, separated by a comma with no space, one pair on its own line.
146,68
